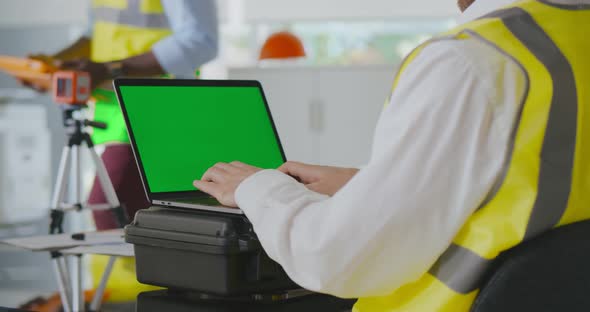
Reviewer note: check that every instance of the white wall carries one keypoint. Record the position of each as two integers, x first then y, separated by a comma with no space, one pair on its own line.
43,12
40,12
66,12
273,10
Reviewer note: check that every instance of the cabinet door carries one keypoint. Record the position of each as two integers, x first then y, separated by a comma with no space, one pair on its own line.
350,102
288,91
27,173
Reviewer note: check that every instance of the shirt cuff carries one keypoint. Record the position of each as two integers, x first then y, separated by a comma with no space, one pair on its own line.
253,193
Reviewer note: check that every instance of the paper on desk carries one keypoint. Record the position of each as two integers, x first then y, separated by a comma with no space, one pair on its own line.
121,250
61,241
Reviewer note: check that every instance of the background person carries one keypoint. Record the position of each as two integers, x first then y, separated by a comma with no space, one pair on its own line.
136,38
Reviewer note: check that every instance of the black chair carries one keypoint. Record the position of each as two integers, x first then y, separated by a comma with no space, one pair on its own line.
548,273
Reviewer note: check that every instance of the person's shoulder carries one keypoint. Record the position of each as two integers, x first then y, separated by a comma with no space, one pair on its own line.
481,57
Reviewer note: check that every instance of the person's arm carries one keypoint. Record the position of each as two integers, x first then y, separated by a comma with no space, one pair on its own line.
77,50
194,40
142,65
438,150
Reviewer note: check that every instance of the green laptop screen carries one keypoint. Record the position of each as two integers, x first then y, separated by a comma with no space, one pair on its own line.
181,131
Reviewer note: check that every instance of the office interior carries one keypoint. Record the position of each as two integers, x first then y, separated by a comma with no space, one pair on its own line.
325,104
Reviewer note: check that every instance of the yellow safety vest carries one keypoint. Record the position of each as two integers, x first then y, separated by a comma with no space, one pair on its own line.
121,29
547,183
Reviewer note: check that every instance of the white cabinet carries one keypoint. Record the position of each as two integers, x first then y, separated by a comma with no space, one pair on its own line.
24,162
288,97
352,101
324,115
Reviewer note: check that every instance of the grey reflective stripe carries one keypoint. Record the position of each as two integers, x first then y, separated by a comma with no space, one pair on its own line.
571,7
509,152
131,16
559,143
461,269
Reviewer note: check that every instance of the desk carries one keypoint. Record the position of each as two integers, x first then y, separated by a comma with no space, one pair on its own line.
163,300
109,243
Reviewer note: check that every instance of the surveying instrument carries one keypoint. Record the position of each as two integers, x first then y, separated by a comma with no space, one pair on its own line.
71,90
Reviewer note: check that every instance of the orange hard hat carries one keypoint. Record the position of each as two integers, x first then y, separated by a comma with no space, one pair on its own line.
282,45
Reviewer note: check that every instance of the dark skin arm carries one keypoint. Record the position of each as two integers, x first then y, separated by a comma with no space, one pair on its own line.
140,65
80,49
143,65
77,57
77,50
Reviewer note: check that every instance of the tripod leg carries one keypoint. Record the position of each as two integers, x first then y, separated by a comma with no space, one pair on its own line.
103,176
63,293
58,261
106,184
60,183
97,299
77,175
65,274
78,289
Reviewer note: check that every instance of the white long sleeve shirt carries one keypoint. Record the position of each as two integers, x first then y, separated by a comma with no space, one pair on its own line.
439,149
194,38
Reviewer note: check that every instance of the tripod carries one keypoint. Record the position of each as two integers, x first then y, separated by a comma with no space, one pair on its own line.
72,295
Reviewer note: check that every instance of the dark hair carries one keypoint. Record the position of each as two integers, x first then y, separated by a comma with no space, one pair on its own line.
464,4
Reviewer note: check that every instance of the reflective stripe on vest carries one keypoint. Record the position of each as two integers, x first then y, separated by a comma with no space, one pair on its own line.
122,29
144,14
125,28
547,179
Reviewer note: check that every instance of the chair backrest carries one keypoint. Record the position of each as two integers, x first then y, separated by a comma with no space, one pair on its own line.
548,273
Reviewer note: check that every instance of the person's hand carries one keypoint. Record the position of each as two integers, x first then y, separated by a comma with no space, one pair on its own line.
31,84
47,59
222,180
99,72
321,179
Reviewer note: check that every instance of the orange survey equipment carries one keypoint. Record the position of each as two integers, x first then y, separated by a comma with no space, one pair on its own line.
282,45
71,87
34,71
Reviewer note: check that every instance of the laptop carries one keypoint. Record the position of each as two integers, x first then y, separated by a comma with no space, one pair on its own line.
180,128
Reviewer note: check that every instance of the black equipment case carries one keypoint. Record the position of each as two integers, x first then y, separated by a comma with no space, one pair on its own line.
172,301
211,253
